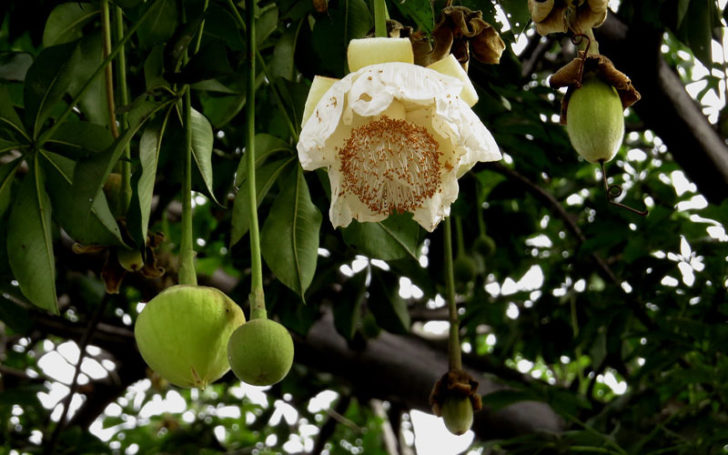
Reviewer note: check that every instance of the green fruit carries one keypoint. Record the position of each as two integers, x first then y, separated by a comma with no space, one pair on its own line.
182,334
595,120
261,352
130,260
465,269
457,412
484,245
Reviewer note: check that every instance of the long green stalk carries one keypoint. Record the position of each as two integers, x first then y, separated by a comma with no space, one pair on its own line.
257,298
119,46
454,357
380,18
123,118
187,273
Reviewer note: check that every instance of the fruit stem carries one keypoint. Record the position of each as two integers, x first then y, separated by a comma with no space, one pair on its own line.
187,274
257,298
460,238
124,98
454,357
380,18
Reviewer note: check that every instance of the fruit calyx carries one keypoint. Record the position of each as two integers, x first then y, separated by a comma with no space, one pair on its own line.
454,398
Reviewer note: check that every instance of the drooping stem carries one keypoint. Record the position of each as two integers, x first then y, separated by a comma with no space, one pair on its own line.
380,18
187,274
123,121
276,93
120,45
454,355
459,234
257,298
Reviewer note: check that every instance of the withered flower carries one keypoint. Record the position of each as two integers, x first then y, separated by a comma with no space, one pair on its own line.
454,398
460,30
559,16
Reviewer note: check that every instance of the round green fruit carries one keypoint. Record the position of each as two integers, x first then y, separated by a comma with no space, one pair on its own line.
182,334
595,120
464,269
484,245
261,352
457,412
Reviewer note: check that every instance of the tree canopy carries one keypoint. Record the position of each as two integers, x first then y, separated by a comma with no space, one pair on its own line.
125,132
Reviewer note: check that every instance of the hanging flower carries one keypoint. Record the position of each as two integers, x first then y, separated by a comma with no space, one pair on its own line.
394,136
558,16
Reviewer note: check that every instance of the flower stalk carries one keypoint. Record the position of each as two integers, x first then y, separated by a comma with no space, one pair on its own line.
380,18
454,355
257,297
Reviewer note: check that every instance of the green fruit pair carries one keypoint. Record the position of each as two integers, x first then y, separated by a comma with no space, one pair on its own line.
595,120
192,335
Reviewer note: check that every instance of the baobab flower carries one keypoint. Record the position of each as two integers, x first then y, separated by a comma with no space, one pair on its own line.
393,136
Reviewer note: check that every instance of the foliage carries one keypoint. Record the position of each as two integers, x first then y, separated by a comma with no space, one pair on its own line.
616,321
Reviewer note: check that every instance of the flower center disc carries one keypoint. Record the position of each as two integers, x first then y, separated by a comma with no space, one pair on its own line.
391,165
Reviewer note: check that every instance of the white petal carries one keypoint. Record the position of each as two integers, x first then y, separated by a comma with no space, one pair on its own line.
437,208
346,206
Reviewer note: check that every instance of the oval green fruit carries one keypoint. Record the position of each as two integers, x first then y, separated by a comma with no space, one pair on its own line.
464,269
595,120
182,334
457,412
261,352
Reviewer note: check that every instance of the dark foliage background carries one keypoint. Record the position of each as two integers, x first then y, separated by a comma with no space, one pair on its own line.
593,330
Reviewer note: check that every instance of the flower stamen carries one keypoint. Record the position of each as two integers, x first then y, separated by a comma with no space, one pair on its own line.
390,165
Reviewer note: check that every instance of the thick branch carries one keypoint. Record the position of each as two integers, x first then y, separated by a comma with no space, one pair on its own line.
390,367
666,107
404,370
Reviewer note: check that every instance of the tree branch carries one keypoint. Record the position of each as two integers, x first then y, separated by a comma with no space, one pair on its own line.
666,107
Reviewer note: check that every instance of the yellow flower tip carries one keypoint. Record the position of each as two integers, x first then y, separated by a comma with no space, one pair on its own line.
451,67
319,86
394,137
371,51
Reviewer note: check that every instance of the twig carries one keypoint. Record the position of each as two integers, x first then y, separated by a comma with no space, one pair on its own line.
546,197
327,429
50,446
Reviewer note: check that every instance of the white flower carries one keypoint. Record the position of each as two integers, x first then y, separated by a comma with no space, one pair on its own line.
394,137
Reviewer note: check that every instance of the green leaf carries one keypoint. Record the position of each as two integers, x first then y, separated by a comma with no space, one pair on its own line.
202,139
695,30
7,175
265,177
149,146
351,19
419,11
77,140
30,244
87,58
282,64
99,229
394,238
14,66
518,14
347,311
96,170
266,22
388,308
9,118
66,22
46,82
682,10
290,235
159,25
265,146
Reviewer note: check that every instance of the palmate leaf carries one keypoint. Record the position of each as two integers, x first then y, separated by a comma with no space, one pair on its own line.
30,243
290,234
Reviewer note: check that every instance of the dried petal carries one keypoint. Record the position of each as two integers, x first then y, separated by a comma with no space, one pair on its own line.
458,28
559,16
